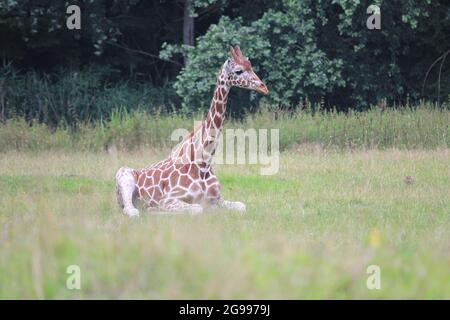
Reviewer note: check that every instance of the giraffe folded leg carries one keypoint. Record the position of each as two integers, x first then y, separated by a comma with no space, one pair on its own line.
214,198
179,206
231,205
125,188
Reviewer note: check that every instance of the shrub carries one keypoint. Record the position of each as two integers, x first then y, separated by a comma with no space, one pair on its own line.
70,97
323,51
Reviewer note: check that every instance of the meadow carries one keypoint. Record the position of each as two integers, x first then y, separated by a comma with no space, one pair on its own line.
310,231
406,127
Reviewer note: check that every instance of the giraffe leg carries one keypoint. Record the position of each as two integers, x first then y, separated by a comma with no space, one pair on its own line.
179,206
214,198
231,205
125,188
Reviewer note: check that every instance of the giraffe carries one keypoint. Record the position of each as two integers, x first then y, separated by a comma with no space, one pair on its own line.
185,182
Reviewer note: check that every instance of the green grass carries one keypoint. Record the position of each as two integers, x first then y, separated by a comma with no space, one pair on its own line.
424,127
306,233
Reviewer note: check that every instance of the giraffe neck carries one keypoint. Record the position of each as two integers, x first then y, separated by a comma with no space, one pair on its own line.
216,114
201,144
214,121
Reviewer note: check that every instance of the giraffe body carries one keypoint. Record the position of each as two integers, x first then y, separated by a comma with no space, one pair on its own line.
185,182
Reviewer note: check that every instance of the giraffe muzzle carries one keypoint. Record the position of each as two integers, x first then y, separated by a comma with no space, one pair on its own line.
262,89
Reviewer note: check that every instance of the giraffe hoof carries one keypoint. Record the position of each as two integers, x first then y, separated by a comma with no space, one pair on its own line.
131,212
196,209
239,206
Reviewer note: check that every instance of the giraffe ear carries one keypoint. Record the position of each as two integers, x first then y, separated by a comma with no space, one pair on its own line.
226,67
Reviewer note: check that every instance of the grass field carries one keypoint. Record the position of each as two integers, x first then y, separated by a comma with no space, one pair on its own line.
310,231
424,126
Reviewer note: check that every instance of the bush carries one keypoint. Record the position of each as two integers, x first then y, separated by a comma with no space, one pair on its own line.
322,51
70,97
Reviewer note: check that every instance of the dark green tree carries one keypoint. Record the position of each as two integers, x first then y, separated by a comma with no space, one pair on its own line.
322,50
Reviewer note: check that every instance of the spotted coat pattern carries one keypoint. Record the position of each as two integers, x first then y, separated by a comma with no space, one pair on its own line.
185,182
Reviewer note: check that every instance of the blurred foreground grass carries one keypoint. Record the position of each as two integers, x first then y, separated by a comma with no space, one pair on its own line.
310,231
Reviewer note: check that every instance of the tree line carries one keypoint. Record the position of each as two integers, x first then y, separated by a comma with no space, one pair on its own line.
308,52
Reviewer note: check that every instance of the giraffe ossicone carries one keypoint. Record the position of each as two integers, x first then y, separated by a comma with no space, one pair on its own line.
185,182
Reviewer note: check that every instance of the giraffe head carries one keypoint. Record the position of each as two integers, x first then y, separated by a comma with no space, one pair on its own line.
239,72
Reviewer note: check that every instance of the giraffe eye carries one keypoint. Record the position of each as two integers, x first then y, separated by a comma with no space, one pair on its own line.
238,72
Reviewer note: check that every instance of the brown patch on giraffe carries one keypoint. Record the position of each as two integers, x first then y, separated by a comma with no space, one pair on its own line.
135,175
196,190
191,151
218,121
158,194
194,172
148,182
174,178
164,185
165,174
202,175
219,107
185,180
144,194
141,180
157,175
213,192
151,192
184,169
211,180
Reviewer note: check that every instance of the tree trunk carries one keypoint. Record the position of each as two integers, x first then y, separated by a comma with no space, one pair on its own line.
188,27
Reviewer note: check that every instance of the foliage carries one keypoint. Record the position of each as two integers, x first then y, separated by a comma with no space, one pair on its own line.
72,96
40,25
321,49
195,82
312,50
125,35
